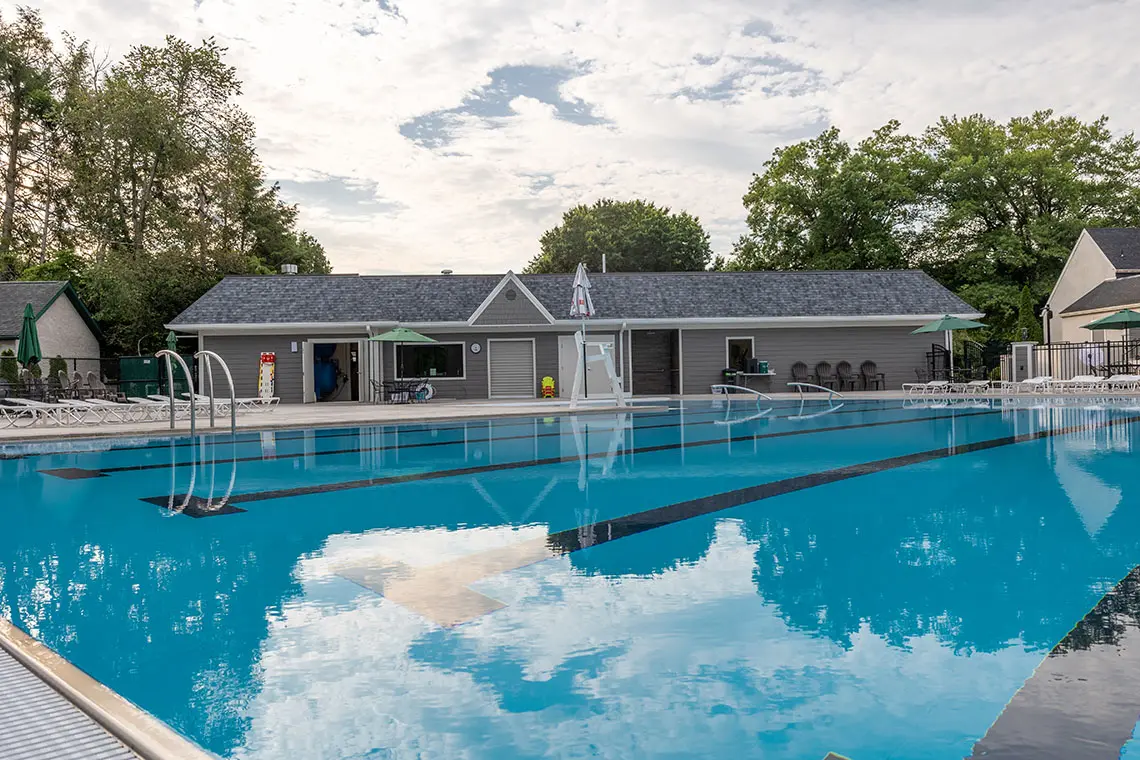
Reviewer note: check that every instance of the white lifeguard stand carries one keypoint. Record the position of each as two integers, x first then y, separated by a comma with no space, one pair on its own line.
603,355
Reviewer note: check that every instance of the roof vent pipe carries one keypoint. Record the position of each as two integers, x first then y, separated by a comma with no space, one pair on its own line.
446,271
603,263
288,269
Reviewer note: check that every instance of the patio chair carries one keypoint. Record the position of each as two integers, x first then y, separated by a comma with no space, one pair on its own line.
800,373
846,379
825,375
872,376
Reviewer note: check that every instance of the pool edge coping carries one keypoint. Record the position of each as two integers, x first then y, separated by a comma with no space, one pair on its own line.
142,733
59,434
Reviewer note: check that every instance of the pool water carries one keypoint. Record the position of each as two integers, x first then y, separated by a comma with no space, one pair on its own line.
718,580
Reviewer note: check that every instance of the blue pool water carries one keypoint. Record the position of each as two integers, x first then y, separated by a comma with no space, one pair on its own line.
878,581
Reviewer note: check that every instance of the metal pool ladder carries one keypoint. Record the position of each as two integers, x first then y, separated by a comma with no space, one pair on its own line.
209,356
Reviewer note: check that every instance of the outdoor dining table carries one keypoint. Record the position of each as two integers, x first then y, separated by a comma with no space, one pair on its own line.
400,391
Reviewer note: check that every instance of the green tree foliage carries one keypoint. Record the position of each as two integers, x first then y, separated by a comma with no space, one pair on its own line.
986,208
1028,320
634,236
137,181
823,204
9,368
56,365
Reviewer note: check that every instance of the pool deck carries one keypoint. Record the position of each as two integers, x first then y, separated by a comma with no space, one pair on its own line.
355,414
51,710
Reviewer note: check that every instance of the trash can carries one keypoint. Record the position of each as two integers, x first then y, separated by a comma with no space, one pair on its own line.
730,375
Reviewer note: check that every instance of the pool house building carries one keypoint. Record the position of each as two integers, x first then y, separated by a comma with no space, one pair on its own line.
498,336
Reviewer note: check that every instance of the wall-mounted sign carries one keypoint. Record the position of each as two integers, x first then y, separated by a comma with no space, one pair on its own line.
476,348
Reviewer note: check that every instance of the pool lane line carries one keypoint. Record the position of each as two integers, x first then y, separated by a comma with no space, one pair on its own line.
1082,701
441,593
399,428
348,485
82,473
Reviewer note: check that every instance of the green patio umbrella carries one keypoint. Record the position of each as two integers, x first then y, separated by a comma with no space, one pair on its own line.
401,335
1121,320
29,352
948,325
172,341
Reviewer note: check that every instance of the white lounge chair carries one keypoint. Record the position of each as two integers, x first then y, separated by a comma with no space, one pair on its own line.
932,388
1078,383
1037,384
68,413
1123,383
17,415
972,388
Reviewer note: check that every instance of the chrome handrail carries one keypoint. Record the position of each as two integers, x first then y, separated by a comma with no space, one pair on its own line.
167,353
210,355
831,392
721,389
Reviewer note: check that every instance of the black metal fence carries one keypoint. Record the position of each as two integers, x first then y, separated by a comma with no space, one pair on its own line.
103,376
1064,361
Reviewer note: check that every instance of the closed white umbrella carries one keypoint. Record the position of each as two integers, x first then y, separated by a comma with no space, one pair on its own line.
582,307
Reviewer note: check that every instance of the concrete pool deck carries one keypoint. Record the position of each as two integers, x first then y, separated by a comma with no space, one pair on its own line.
357,414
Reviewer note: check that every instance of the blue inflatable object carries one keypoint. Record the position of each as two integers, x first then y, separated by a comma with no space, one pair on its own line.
325,369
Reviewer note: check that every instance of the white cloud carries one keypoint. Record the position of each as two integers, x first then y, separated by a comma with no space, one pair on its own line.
329,84
689,661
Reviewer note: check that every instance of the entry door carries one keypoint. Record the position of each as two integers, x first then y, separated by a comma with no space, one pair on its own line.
597,383
510,367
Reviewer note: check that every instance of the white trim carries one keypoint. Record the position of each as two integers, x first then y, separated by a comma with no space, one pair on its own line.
570,326
1098,310
751,340
680,363
509,277
533,365
431,378
1061,277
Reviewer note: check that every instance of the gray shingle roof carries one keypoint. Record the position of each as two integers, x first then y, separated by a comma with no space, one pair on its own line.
1121,245
1121,292
14,296
675,295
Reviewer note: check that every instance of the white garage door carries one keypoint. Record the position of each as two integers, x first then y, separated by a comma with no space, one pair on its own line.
511,364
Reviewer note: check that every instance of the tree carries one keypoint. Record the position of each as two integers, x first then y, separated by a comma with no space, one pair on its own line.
821,204
1028,320
1009,200
985,208
634,236
25,78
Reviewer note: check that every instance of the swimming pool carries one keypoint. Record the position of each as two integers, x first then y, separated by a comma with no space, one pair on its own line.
877,580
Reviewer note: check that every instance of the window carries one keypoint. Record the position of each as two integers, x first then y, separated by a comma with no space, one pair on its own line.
432,360
739,351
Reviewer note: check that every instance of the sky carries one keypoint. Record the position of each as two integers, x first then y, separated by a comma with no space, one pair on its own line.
420,135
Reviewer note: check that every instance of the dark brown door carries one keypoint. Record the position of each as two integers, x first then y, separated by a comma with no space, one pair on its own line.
654,362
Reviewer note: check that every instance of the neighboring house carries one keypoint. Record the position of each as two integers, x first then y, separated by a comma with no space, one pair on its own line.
1100,277
64,324
499,335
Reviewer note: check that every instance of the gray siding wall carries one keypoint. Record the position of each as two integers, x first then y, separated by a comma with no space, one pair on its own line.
503,311
896,352
242,353
475,384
